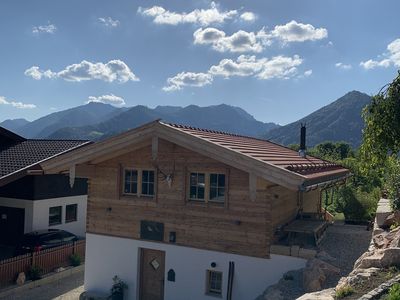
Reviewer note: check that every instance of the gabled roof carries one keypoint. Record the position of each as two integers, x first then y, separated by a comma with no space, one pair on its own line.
263,158
18,154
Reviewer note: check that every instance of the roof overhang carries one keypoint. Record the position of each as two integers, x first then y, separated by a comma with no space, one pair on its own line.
142,136
35,168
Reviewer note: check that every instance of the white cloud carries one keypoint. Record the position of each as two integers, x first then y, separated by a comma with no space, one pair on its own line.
4,101
187,79
110,99
240,41
243,41
109,22
298,32
281,67
203,17
243,66
343,66
392,57
44,29
38,74
248,16
114,70
308,73
372,64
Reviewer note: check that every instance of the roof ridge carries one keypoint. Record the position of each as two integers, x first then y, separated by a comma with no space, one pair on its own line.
216,131
227,133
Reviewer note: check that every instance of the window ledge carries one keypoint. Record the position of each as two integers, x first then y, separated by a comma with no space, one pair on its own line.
200,203
214,295
136,200
71,221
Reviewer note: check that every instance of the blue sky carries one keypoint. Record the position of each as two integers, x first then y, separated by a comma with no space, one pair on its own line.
279,60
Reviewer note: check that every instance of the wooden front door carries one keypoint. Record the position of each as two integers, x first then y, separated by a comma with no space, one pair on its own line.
152,270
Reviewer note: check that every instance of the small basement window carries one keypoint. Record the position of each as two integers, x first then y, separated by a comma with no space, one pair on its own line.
71,213
147,183
214,283
130,181
55,215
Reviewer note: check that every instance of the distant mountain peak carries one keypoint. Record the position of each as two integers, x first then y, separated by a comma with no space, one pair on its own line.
338,121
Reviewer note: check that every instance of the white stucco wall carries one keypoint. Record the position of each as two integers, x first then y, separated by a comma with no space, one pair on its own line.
37,213
21,203
109,256
41,214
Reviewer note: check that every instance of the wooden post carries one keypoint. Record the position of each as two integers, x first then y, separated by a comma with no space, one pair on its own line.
252,186
154,147
33,260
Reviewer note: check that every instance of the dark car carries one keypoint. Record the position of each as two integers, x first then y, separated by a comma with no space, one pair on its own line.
44,239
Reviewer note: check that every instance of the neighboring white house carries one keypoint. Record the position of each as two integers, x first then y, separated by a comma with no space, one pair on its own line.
30,200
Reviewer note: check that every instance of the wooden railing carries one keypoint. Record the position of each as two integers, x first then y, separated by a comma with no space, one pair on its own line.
46,260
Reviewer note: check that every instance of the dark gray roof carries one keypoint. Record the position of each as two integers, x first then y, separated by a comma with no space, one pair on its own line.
22,154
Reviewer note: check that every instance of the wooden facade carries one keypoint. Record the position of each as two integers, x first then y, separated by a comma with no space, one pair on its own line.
239,225
261,195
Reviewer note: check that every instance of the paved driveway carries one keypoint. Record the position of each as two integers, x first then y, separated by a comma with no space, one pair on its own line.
68,288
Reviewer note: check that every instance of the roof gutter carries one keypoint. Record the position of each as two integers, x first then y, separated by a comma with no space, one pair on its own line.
325,184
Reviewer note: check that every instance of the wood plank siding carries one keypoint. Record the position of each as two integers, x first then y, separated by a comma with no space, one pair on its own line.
241,225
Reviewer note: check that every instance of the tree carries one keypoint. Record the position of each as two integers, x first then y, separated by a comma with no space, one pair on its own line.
381,135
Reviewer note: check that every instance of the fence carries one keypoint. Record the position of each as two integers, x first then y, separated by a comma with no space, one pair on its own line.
47,260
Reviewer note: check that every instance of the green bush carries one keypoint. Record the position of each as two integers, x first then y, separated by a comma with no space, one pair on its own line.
344,292
35,273
356,204
392,181
117,289
394,292
75,260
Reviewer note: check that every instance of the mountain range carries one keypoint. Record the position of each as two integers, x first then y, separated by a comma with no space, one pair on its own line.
339,121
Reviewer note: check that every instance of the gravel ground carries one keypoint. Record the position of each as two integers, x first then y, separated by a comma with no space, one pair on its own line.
343,244
68,288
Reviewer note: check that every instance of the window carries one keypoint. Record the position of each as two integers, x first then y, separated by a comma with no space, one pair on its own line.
217,187
147,183
139,182
197,186
214,283
130,182
207,187
71,213
55,215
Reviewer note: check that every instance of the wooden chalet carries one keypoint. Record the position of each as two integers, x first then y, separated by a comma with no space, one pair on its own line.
185,213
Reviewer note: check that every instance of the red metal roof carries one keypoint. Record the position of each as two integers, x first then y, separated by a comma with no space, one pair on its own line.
311,168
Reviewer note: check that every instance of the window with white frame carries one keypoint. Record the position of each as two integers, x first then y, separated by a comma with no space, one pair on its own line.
55,215
71,213
197,186
214,283
207,187
217,187
139,182
147,183
130,181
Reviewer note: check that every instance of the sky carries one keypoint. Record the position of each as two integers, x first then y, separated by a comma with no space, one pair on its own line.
278,60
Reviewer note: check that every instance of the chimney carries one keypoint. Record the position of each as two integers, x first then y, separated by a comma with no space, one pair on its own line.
302,150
